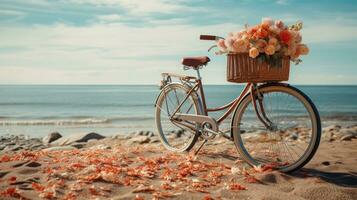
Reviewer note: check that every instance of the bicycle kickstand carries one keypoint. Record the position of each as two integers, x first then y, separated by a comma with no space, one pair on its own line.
200,147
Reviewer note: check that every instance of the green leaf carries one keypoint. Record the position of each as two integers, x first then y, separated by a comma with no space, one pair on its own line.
261,58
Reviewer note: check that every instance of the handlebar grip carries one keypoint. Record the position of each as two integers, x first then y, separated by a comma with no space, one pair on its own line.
208,37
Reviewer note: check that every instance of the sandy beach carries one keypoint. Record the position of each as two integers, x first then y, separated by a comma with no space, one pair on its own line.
138,167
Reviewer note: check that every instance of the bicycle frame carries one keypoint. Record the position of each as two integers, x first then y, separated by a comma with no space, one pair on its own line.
198,88
231,106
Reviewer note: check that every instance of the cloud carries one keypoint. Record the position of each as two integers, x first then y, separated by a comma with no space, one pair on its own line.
329,31
133,54
282,2
109,45
118,53
11,15
138,7
109,18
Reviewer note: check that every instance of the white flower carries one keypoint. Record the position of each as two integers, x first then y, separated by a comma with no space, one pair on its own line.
267,21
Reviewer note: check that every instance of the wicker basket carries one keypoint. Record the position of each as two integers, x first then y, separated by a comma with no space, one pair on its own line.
242,69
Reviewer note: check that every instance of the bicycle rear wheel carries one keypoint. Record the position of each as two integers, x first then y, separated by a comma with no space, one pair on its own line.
173,135
296,134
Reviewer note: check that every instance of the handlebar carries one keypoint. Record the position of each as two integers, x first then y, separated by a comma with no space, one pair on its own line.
208,37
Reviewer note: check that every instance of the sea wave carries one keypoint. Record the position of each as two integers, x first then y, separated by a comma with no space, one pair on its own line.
66,122
80,104
52,122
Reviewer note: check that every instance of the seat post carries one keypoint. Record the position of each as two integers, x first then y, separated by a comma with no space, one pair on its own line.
198,74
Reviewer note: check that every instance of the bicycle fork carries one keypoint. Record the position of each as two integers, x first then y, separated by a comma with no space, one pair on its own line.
260,112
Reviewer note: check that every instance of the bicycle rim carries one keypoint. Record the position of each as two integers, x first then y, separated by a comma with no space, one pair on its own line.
173,135
296,137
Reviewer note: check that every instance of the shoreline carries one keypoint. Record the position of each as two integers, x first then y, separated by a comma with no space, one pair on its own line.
38,129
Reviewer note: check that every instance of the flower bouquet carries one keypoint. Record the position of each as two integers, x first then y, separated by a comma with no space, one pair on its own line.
267,42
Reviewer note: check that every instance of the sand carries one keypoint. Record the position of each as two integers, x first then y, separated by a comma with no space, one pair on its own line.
112,168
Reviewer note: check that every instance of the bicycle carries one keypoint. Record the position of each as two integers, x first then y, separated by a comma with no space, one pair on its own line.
273,123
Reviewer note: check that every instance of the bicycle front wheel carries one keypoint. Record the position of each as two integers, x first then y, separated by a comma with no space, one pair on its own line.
173,134
296,131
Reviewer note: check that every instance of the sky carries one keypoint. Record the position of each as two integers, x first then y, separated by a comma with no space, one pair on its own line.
133,41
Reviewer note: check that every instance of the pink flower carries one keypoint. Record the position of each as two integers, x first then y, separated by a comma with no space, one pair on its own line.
253,52
261,44
273,41
274,30
221,45
229,43
267,21
241,45
279,24
298,38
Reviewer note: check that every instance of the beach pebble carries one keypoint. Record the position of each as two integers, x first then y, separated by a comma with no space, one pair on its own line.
100,147
12,148
36,146
119,136
329,136
154,140
79,145
139,133
326,163
60,148
77,138
144,133
150,134
2,147
17,148
347,137
331,128
139,140
294,136
51,137
179,133
92,140
33,164
348,131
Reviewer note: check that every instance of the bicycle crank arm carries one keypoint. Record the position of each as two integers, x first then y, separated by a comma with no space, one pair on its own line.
201,119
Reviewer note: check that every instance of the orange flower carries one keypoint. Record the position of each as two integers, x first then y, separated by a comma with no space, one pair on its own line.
302,49
285,36
252,30
262,33
265,26
270,50
273,41
253,52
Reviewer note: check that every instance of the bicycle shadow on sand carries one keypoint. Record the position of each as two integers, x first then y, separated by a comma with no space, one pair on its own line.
344,179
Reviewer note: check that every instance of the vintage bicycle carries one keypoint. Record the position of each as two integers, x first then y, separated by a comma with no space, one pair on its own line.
271,122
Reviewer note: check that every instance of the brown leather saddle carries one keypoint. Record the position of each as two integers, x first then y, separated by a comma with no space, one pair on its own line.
195,62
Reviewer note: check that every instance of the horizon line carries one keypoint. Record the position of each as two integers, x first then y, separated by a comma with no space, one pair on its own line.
124,84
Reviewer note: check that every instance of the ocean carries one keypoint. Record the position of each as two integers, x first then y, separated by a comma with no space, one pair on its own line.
37,110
